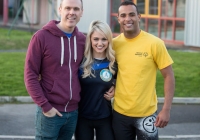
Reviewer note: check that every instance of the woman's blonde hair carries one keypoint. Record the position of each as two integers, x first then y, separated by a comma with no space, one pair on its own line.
98,26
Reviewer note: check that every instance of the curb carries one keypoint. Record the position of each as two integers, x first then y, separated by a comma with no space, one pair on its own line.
28,99
13,99
182,100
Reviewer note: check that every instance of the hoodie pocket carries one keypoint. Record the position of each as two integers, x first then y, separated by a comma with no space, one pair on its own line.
59,93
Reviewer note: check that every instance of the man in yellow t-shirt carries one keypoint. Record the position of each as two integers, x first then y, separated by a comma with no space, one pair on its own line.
139,55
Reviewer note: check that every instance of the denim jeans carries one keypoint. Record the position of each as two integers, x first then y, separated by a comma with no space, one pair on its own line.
55,128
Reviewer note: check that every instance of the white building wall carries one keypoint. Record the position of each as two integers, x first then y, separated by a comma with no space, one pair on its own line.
40,12
94,10
53,10
30,12
192,23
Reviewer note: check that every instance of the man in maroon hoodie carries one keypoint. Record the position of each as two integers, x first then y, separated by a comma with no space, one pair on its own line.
55,52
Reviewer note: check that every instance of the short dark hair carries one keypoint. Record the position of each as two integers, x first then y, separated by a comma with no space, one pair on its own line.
125,3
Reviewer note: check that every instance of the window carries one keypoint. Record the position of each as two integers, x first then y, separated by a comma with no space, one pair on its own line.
115,25
115,5
179,30
142,24
141,6
148,7
162,18
153,7
167,8
180,8
153,26
166,29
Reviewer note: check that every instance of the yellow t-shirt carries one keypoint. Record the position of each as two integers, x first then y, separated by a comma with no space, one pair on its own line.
138,60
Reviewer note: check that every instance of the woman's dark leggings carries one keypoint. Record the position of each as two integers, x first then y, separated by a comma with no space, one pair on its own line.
86,129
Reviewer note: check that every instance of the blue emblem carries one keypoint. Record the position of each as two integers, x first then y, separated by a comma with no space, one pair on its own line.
106,75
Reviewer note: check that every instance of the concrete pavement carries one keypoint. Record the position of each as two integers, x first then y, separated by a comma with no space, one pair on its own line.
17,120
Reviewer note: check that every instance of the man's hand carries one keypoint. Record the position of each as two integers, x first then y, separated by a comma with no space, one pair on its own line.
110,93
52,113
163,118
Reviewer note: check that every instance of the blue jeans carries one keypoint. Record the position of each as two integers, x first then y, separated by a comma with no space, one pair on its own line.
55,128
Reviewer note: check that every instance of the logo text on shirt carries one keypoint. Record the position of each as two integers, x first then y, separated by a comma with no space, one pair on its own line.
140,54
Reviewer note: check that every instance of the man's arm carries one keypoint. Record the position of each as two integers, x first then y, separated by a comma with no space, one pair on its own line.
169,86
31,72
110,93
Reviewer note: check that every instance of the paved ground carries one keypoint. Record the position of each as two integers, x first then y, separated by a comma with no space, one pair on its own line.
17,122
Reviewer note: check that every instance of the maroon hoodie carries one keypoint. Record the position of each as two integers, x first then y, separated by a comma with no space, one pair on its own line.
57,58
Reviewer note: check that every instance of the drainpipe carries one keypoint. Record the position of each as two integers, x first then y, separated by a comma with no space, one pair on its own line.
5,12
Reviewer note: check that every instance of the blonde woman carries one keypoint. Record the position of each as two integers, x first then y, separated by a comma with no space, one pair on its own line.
97,74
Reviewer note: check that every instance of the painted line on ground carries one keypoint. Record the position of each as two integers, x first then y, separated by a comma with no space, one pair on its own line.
33,137
180,136
188,136
16,137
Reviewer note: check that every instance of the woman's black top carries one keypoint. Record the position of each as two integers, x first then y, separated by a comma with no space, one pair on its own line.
93,105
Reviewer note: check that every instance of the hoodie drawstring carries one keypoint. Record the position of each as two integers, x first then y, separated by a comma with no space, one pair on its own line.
75,49
62,50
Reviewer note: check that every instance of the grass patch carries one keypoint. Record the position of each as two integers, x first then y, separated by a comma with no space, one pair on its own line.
186,67
11,74
187,74
16,40
186,70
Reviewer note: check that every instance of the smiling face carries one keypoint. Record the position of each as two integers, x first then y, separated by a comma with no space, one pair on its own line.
128,19
70,12
99,44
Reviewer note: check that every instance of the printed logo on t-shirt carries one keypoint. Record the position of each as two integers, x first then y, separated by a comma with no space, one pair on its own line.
145,54
140,54
106,75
